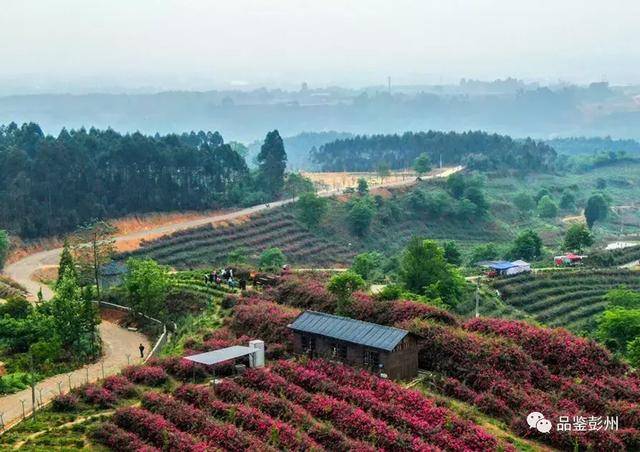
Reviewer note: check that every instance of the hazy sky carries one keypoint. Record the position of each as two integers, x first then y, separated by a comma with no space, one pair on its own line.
220,43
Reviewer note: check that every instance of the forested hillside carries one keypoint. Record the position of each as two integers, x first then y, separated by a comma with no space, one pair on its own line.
51,184
477,150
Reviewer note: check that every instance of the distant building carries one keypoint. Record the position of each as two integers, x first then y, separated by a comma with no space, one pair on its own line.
505,268
383,350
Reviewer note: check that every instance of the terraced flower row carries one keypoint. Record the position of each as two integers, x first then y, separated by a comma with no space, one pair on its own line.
505,368
211,245
569,299
291,406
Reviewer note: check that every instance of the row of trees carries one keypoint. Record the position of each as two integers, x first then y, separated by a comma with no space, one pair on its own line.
477,150
49,185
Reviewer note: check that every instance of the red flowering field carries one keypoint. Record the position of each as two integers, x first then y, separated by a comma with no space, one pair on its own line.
292,406
506,369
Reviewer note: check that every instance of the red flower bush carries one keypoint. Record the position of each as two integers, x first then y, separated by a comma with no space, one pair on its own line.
65,402
268,321
116,438
248,418
157,430
120,386
146,375
562,352
191,419
95,395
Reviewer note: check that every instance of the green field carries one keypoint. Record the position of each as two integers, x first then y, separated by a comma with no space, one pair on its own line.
567,298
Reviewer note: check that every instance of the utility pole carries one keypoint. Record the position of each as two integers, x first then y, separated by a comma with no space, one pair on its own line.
33,389
477,298
389,83
440,161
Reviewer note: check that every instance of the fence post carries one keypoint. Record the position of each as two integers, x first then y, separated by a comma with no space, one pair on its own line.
22,401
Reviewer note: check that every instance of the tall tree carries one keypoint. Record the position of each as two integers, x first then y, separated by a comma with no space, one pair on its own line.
422,164
311,208
424,270
93,248
66,263
272,162
146,284
597,209
4,246
577,237
528,245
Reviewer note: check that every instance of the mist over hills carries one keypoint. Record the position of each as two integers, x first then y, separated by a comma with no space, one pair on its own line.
504,106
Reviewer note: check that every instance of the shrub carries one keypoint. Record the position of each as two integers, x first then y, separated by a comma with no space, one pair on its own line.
145,375
116,438
120,386
95,395
65,402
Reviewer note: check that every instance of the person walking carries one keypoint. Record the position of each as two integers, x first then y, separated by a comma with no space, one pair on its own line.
141,348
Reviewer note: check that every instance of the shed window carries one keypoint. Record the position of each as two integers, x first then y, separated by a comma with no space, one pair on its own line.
371,359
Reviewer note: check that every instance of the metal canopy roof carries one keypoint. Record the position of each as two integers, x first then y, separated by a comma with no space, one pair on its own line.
501,265
218,356
349,330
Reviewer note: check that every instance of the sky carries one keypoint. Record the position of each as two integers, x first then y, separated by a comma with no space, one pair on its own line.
206,44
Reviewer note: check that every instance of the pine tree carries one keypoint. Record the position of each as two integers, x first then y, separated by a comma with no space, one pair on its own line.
272,161
66,263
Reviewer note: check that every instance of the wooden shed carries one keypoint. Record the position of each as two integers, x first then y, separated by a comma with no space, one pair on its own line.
384,350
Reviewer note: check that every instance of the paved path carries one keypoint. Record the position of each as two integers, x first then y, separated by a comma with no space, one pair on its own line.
119,341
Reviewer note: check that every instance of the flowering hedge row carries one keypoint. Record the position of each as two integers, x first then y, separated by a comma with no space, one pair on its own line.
194,420
116,438
436,425
156,430
350,419
503,380
562,352
282,408
145,375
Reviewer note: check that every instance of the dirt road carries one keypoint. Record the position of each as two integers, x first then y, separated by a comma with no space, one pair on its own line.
119,341
22,270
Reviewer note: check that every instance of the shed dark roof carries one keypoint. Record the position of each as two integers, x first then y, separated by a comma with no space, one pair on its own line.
349,330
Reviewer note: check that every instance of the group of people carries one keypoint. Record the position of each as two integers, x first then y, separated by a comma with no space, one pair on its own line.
224,275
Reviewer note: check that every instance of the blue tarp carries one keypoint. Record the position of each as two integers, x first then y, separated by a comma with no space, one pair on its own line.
502,265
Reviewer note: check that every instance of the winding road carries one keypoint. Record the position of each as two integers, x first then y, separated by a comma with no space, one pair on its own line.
117,341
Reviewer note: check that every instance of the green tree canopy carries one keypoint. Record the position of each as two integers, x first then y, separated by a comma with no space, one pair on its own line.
568,201
311,208
360,216
484,252
425,271
366,264
75,317
67,263
547,208
342,286
363,186
476,196
617,327
237,256
452,253
272,260
456,185
528,245
4,247
524,202
623,297
146,284
296,184
272,162
577,237
422,164
597,209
